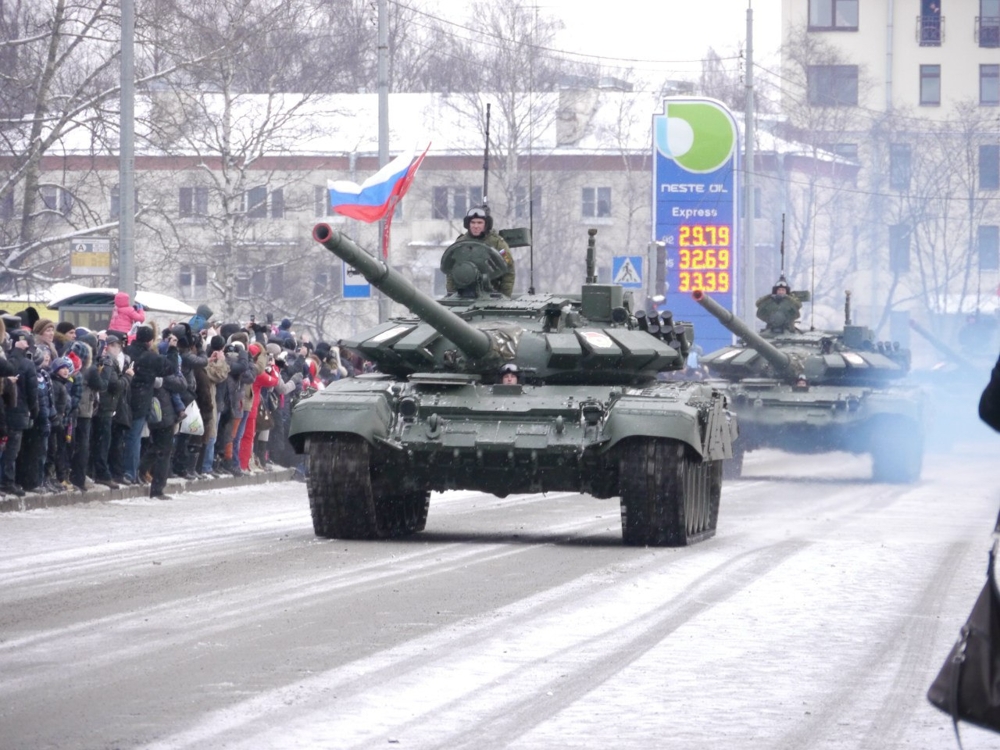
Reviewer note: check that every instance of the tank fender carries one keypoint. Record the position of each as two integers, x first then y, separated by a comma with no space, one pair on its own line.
365,414
638,417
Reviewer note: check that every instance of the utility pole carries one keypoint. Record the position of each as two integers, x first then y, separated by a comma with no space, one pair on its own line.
383,134
749,257
126,154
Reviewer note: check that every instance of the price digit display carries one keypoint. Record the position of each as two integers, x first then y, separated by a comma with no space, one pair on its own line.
703,258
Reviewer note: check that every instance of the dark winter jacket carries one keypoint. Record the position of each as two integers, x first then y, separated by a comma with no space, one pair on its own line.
60,402
21,414
113,378
989,402
148,365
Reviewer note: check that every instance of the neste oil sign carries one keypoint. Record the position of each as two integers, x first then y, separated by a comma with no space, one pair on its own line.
695,152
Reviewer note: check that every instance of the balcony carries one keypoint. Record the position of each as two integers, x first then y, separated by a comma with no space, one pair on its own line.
987,33
930,30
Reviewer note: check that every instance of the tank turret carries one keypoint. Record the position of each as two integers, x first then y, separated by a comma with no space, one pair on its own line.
817,391
473,342
851,355
504,394
593,336
781,362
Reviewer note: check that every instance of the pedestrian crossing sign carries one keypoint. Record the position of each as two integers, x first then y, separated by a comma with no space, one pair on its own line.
627,271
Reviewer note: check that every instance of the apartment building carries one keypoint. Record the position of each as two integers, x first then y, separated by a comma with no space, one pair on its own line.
910,90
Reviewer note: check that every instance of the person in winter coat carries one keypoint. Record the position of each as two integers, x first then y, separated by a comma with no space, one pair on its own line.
192,360
60,370
215,374
242,373
21,410
101,430
147,364
267,378
35,440
125,315
94,384
989,402
45,336
64,337
161,434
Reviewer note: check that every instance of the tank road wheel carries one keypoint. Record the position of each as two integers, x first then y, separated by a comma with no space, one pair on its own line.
340,488
897,447
667,497
732,468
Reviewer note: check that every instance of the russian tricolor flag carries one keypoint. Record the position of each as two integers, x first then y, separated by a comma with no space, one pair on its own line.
376,197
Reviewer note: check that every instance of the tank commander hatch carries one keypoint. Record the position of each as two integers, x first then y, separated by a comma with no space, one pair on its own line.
780,309
479,227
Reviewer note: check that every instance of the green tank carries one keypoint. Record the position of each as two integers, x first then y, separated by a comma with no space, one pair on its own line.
587,413
819,391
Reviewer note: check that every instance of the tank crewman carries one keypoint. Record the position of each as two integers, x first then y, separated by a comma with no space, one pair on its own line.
479,227
779,309
508,374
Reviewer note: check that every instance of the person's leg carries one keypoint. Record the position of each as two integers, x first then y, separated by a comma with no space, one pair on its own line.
133,443
160,444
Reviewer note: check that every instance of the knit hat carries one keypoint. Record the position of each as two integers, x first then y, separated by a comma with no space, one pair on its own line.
81,332
39,355
64,327
20,333
285,324
273,349
254,349
323,349
216,344
59,363
144,334
42,325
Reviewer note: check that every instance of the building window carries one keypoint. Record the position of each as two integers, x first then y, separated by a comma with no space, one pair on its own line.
989,167
988,23
930,24
899,166
7,207
989,85
833,85
596,203
193,281
899,248
277,282
521,208
242,284
326,282
930,85
192,201
454,202
833,15
57,199
257,200
258,282
989,248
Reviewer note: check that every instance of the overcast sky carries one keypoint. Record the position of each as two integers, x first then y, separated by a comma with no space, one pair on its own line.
658,40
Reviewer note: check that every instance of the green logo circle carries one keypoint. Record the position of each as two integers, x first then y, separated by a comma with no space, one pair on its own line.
699,136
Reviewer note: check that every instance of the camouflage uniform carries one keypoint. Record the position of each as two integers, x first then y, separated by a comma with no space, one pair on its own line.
505,284
779,312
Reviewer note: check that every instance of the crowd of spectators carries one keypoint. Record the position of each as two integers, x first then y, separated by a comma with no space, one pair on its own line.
134,404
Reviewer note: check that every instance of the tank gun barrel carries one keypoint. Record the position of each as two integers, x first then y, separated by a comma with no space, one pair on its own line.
775,357
941,346
473,342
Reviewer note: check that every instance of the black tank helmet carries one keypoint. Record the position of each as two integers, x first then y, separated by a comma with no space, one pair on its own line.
478,212
781,283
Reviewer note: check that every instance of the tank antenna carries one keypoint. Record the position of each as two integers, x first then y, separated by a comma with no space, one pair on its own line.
531,166
847,307
486,160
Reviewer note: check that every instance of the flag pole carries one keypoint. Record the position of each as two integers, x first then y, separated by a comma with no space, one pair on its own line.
383,137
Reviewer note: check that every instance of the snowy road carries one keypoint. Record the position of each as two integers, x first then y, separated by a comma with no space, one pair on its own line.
816,618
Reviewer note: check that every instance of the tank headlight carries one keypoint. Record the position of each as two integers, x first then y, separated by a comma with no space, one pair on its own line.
408,408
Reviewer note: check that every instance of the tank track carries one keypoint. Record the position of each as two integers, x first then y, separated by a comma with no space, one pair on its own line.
669,497
345,501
